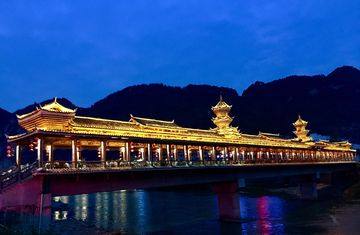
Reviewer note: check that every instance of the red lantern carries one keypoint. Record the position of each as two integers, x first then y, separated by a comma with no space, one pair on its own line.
107,150
8,155
8,147
8,151
36,138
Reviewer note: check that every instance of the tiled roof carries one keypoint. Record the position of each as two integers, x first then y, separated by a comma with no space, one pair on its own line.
154,123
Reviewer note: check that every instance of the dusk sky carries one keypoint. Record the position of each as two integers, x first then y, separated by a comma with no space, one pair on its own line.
86,50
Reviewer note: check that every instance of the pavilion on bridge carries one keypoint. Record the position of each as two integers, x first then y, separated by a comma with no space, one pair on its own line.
54,127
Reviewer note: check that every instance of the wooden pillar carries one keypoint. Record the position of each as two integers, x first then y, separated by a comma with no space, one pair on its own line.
49,148
51,155
213,156
185,154
18,155
40,152
143,156
201,155
189,154
149,153
161,153
103,153
176,154
127,152
226,157
78,150
168,153
74,153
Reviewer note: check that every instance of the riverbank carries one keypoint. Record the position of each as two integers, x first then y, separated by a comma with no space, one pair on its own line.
61,227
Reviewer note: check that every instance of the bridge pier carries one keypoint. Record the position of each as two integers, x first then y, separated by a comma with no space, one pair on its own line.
338,182
228,201
26,197
307,187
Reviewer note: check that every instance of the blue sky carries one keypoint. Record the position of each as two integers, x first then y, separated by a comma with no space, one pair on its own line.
86,50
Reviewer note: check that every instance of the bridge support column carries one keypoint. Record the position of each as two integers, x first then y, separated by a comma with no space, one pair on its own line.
26,197
307,187
228,201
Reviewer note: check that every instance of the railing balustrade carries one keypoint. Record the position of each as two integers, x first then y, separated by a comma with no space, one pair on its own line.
12,176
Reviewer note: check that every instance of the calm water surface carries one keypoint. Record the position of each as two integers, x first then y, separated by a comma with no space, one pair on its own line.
194,211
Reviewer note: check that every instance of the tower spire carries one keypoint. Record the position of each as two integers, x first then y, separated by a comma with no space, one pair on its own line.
223,120
301,131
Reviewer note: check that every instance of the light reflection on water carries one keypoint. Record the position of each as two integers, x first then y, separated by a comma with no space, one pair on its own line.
195,212
141,211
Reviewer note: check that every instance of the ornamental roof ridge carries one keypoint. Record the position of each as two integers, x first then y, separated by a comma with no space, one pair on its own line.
104,119
150,119
250,135
221,104
341,142
27,114
271,134
194,129
56,107
300,122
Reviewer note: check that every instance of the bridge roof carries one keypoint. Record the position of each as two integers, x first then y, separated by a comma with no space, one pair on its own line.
64,122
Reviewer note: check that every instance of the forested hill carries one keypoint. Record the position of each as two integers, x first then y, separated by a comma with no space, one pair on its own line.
329,103
189,106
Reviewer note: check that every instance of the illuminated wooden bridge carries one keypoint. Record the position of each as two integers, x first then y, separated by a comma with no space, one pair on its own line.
77,155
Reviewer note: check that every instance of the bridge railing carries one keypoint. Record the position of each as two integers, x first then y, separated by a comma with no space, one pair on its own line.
139,163
13,175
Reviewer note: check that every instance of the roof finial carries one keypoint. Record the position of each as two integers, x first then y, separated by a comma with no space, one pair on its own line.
55,99
299,117
220,97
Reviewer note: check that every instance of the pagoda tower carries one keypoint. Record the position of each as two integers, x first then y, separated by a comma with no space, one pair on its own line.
301,132
223,120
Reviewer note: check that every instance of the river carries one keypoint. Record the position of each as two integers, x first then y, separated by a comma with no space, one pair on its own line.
194,211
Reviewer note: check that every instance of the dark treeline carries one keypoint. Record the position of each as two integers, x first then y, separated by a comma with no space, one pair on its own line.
329,103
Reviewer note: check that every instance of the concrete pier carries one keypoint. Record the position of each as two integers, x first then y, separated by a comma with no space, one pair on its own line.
228,201
307,187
